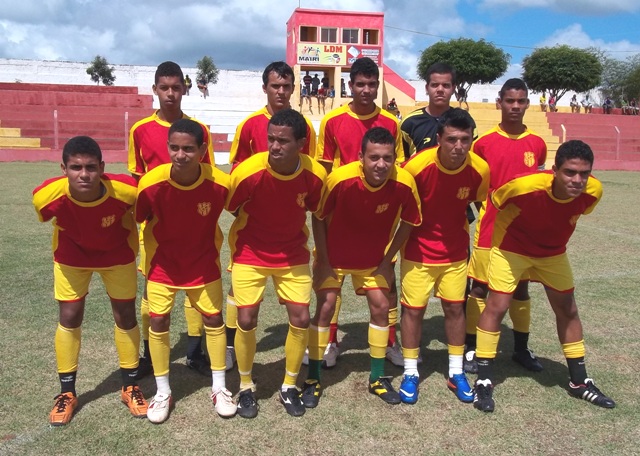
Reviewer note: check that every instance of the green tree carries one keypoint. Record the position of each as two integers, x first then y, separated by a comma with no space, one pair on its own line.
475,62
207,69
559,69
99,70
620,78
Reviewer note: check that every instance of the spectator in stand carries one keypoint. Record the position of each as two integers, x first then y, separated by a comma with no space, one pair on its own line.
203,86
543,102
325,82
461,95
392,105
633,107
575,106
586,103
188,84
306,80
331,95
322,95
607,106
552,103
315,83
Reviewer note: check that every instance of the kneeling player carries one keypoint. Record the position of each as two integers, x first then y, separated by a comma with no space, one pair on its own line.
359,215
448,178
94,231
538,214
180,202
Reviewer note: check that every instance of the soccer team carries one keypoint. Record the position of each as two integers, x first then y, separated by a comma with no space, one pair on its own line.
367,208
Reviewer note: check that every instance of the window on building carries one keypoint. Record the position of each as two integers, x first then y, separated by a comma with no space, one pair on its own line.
328,35
350,35
370,36
309,34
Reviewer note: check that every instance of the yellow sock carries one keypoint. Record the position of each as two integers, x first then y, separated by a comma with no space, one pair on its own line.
160,349
475,306
232,313
378,340
67,344
336,312
318,341
455,350
127,345
145,319
410,353
195,327
216,347
573,349
520,313
487,344
245,344
297,340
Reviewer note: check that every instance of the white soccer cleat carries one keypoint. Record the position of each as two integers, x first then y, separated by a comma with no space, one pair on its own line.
223,403
159,407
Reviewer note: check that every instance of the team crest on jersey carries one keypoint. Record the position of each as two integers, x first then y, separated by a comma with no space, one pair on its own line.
204,208
463,193
300,199
108,221
529,159
573,220
381,208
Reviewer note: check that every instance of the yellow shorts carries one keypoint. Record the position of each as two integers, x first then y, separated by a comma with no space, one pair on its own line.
449,282
506,269
361,278
206,299
479,265
292,284
72,284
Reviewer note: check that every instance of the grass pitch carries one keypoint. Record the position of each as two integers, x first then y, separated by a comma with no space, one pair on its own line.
534,414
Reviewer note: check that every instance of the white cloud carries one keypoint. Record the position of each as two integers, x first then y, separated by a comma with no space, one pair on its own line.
582,7
575,36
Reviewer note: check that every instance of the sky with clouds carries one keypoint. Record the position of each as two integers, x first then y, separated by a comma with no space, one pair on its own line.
248,34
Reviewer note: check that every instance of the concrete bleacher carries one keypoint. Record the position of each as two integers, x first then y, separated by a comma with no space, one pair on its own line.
42,117
612,136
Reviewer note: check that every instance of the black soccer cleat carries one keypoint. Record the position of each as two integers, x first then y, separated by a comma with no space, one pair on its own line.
483,396
290,398
528,360
590,392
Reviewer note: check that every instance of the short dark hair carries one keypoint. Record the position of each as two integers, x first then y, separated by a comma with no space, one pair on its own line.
189,126
169,69
293,119
573,149
364,66
377,135
81,145
456,118
513,84
441,68
280,68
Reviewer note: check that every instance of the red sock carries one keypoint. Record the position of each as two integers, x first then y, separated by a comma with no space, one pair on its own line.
392,336
333,333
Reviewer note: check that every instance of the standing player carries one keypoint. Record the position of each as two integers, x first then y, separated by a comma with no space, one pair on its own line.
448,178
251,137
537,216
361,209
94,231
419,132
510,149
180,203
420,127
271,192
340,142
148,149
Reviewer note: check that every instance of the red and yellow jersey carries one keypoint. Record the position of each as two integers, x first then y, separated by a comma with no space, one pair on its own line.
99,234
270,228
508,156
251,137
341,133
362,220
443,236
182,238
148,144
532,222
